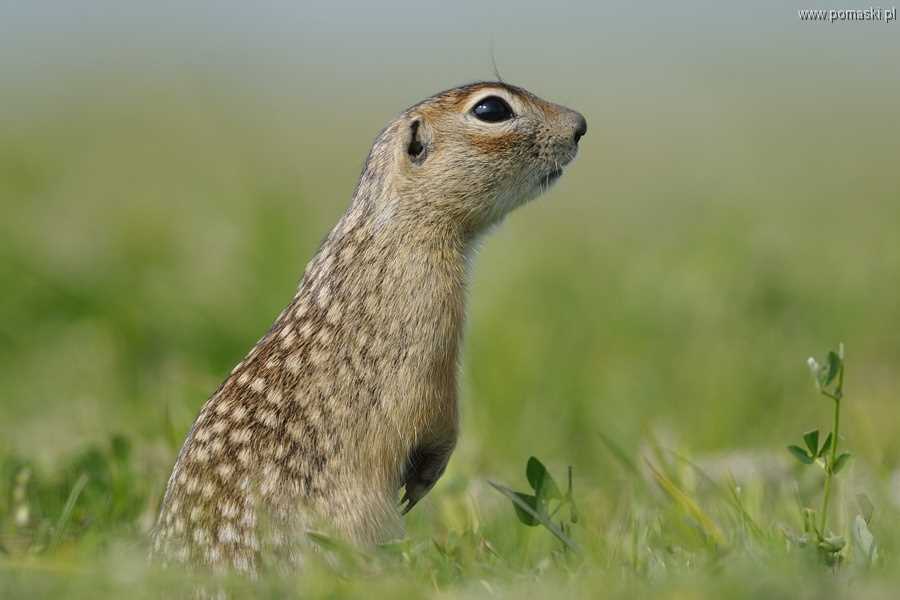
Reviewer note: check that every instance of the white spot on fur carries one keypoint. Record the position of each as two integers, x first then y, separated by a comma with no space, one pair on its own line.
209,489
200,454
267,418
324,295
249,519
318,357
228,509
293,362
239,412
306,330
241,563
271,479
240,436
227,533
301,310
326,264
280,451
334,313
274,397
201,537
258,385
225,470
324,336
251,541
295,430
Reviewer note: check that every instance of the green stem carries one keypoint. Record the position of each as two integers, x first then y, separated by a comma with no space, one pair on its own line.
829,467
559,505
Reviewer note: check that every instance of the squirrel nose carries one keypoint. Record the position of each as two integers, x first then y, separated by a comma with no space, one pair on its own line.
580,126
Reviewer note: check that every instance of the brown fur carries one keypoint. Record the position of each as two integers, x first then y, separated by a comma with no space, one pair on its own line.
351,395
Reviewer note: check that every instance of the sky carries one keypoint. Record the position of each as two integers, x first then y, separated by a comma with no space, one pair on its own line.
576,42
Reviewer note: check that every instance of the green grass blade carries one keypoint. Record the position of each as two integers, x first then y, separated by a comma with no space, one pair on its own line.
541,518
69,507
689,506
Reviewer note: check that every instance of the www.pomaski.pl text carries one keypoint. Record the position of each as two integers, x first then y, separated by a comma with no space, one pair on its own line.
842,15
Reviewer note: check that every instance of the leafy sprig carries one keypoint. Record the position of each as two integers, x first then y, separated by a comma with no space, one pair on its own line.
829,381
545,503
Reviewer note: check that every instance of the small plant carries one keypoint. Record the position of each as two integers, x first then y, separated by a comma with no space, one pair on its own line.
542,506
829,381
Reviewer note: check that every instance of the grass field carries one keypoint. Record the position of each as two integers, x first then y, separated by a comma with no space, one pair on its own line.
648,323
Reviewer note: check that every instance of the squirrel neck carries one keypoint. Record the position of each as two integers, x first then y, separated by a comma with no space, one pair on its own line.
399,282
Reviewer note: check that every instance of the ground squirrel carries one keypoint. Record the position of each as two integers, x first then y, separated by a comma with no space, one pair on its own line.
351,395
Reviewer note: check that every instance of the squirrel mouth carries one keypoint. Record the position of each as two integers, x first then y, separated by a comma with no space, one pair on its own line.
548,179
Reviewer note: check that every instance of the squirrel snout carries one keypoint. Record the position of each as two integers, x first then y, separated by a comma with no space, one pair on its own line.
580,126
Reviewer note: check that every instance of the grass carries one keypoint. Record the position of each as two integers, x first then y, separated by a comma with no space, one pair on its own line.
647,323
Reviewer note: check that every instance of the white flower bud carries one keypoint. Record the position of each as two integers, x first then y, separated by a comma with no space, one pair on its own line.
815,369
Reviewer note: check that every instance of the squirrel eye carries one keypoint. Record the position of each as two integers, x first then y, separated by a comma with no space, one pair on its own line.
492,110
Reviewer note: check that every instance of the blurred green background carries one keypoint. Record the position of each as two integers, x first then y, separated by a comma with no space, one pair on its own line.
167,171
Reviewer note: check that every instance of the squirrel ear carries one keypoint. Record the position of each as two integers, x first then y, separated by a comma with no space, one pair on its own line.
417,142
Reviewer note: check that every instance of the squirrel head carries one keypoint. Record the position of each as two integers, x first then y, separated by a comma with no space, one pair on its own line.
468,156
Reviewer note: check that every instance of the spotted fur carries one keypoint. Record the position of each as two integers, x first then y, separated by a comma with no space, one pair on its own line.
351,395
